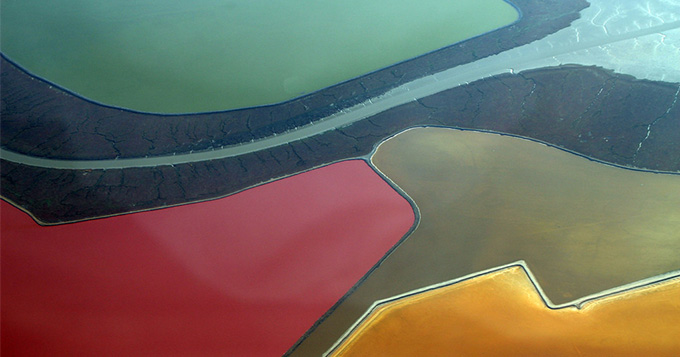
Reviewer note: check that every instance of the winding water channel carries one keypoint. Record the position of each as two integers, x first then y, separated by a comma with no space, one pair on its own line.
575,44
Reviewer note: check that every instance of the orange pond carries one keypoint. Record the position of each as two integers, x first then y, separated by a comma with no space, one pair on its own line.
502,314
244,275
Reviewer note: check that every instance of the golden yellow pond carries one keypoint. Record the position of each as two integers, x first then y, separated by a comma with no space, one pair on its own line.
502,314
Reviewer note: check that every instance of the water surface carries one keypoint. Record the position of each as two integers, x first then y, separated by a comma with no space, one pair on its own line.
205,55
486,200
501,314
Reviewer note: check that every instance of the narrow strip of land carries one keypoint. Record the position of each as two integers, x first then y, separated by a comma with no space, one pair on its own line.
537,54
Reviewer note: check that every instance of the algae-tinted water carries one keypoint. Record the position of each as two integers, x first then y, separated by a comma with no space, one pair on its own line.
205,55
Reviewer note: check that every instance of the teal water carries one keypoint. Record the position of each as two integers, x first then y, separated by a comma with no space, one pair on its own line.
173,56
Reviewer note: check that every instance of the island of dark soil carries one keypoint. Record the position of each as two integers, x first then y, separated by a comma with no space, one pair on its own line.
41,119
587,110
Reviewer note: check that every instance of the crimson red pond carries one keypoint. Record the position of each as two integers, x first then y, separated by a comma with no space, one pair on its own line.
244,275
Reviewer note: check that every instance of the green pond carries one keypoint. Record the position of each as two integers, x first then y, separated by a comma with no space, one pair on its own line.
174,56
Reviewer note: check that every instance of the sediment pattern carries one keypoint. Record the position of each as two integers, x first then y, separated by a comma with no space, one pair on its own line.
589,110
42,120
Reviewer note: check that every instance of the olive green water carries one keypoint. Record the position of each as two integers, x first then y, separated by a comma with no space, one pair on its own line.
177,56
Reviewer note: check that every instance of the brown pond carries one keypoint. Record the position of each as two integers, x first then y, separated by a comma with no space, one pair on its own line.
487,200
